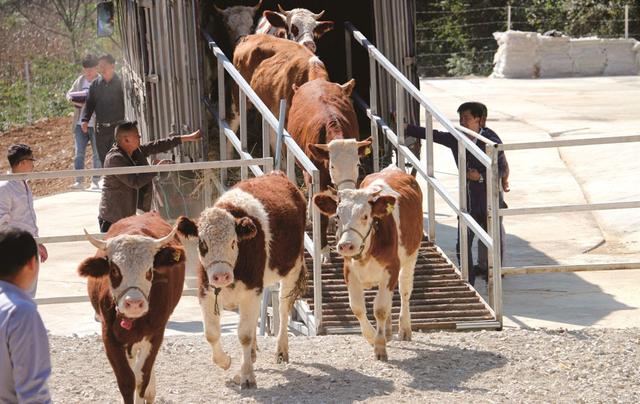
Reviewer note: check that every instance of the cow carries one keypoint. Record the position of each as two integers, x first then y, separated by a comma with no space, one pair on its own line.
380,230
272,66
299,25
135,281
323,122
250,239
238,20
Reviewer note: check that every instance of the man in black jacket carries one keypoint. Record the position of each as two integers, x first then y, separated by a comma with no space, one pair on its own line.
473,115
123,194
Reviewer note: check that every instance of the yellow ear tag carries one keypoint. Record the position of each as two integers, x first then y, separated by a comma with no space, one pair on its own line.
390,208
177,255
367,151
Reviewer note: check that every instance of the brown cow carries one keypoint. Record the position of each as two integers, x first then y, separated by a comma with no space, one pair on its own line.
324,124
251,238
135,282
380,227
272,66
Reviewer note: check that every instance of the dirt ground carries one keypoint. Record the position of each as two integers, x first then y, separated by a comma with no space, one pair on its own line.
53,146
515,365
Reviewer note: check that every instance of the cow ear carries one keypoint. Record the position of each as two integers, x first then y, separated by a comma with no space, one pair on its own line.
326,202
245,228
383,205
295,87
94,267
187,228
275,19
364,147
347,88
322,28
318,152
167,256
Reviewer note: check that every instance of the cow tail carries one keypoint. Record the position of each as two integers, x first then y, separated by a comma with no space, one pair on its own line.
300,288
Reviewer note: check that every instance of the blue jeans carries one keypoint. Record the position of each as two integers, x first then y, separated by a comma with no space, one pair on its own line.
81,148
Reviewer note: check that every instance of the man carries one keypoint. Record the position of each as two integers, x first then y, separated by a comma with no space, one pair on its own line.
24,346
123,194
77,95
106,99
473,115
16,199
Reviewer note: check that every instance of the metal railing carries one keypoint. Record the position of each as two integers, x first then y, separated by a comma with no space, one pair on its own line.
491,237
295,156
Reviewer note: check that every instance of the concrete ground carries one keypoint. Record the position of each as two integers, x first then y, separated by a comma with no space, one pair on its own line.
519,110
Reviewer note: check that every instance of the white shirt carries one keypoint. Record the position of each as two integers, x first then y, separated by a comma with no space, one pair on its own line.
16,207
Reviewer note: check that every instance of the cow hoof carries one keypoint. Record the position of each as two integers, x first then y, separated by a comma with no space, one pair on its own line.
382,356
282,357
224,363
245,382
404,335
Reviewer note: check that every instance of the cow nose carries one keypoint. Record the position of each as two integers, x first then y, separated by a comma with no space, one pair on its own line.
310,45
222,278
133,303
346,247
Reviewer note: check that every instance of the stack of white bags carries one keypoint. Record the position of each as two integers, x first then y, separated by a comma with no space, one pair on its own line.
531,55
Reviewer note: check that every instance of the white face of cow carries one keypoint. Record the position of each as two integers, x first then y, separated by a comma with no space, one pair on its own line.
301,24
344,160
238,20
220,233
356,211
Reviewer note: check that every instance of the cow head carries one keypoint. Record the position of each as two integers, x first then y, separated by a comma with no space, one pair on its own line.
301,25
220,234
238,20
356,211
343,156
130,262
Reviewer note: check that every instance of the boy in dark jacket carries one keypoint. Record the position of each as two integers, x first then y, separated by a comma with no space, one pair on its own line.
123,194
473,116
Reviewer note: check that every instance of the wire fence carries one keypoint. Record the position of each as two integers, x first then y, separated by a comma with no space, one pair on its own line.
455,40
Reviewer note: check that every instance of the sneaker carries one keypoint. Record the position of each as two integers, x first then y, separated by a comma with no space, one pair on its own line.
94,186
77,185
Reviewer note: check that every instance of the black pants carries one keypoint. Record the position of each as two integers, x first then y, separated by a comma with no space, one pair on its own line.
104,140
483,261
104,225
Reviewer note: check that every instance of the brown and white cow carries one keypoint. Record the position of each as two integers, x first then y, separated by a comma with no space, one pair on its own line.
250,239
323,122
272,66
380,229
299,25
135,282
238,20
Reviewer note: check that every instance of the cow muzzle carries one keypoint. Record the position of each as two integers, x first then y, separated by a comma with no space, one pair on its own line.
220,274
133,303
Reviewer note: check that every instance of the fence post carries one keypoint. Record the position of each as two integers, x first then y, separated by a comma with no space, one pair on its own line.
431,201
463,235
509,17
626,21
373,106
27,77
493,225
222,113
280,134
243,131
317,258
400,125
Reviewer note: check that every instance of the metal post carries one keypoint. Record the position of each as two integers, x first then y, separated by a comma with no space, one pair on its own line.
493,225
280,134
431,201
317,259
266,141
463,236
373,102
27,77
400,124
291,166
222,113
626,21
509,17
243,129
347,47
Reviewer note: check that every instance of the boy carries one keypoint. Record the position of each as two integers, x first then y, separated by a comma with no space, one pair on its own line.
473,115
24,346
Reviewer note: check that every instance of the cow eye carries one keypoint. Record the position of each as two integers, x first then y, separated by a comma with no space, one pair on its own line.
202,246
365,217
294,30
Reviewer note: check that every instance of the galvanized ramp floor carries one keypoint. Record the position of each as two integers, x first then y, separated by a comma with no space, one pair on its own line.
440,298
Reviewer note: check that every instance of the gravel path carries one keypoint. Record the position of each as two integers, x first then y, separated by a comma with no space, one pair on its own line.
592,365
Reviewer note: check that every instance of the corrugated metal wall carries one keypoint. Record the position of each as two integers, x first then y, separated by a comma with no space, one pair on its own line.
162,68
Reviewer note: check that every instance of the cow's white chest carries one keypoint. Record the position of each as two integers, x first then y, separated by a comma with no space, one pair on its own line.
139,353
369,274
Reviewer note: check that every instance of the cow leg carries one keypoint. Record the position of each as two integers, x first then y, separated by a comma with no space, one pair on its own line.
145,362
120,364
382,312
326,253
357,303
212,331
406,287
388,328
287,289
254,346
249,309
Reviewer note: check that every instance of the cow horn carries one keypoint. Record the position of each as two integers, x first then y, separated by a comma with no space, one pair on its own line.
283,11
164,240
319,15
257,6
99,244
218,10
